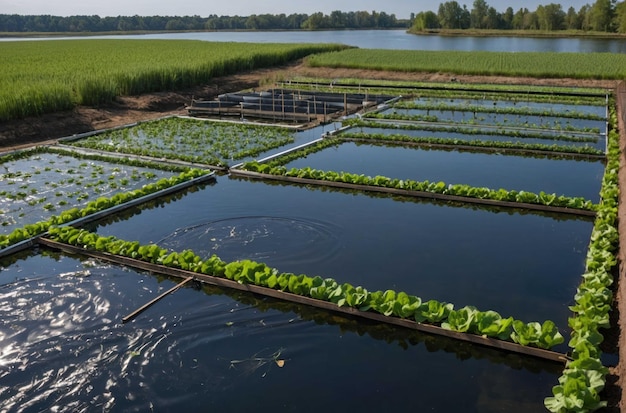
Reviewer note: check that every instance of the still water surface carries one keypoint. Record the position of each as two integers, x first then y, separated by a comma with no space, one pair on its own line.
392,39
380,243
574,178
204,350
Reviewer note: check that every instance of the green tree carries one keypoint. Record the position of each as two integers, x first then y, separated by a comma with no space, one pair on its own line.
426,20
452,16
507,18
315,21
572,20
550,17
478,15
584,17
493,19
519,19
620,17
531,21
337,19
252,22
602,13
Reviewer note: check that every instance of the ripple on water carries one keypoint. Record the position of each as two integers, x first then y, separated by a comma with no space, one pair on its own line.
278,241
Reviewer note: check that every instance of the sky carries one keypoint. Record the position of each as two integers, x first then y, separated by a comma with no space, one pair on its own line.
401,8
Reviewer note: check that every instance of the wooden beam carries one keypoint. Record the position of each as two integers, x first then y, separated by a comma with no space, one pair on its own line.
155,300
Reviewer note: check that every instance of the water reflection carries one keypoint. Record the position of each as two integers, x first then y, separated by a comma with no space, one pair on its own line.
204,347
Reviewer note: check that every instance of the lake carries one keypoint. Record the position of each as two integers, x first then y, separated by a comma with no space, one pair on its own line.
390,39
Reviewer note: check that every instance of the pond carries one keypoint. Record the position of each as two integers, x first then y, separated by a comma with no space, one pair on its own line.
488,134
193,140
204,348
574,178
406,245
518,103
503,120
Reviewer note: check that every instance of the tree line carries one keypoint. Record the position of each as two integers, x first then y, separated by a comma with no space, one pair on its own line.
317,21
601,16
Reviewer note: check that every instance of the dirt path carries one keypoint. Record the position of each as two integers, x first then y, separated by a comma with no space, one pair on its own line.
48,128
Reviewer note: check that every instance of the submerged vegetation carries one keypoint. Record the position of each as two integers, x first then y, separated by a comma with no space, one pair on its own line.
46,186
39,77
191,140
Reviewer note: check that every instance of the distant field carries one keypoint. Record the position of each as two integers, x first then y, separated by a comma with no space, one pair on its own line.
46,76
531,64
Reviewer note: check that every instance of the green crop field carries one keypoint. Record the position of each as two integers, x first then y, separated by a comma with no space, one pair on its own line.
45,76
532,64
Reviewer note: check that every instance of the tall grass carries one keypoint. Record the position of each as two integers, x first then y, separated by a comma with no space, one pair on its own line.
530,64
45,76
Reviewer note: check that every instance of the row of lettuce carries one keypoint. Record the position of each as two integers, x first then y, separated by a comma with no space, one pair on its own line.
584,376
275,167
389,303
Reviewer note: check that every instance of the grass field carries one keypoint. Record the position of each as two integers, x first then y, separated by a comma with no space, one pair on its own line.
531,64
46,76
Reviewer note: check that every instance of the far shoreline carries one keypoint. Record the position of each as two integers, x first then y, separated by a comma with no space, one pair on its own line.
558,34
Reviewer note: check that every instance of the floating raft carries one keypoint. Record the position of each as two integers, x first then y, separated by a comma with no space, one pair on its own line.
324,305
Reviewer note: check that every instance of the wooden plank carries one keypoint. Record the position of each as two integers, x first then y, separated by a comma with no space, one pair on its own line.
155,300
417,194
282,295
18,247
